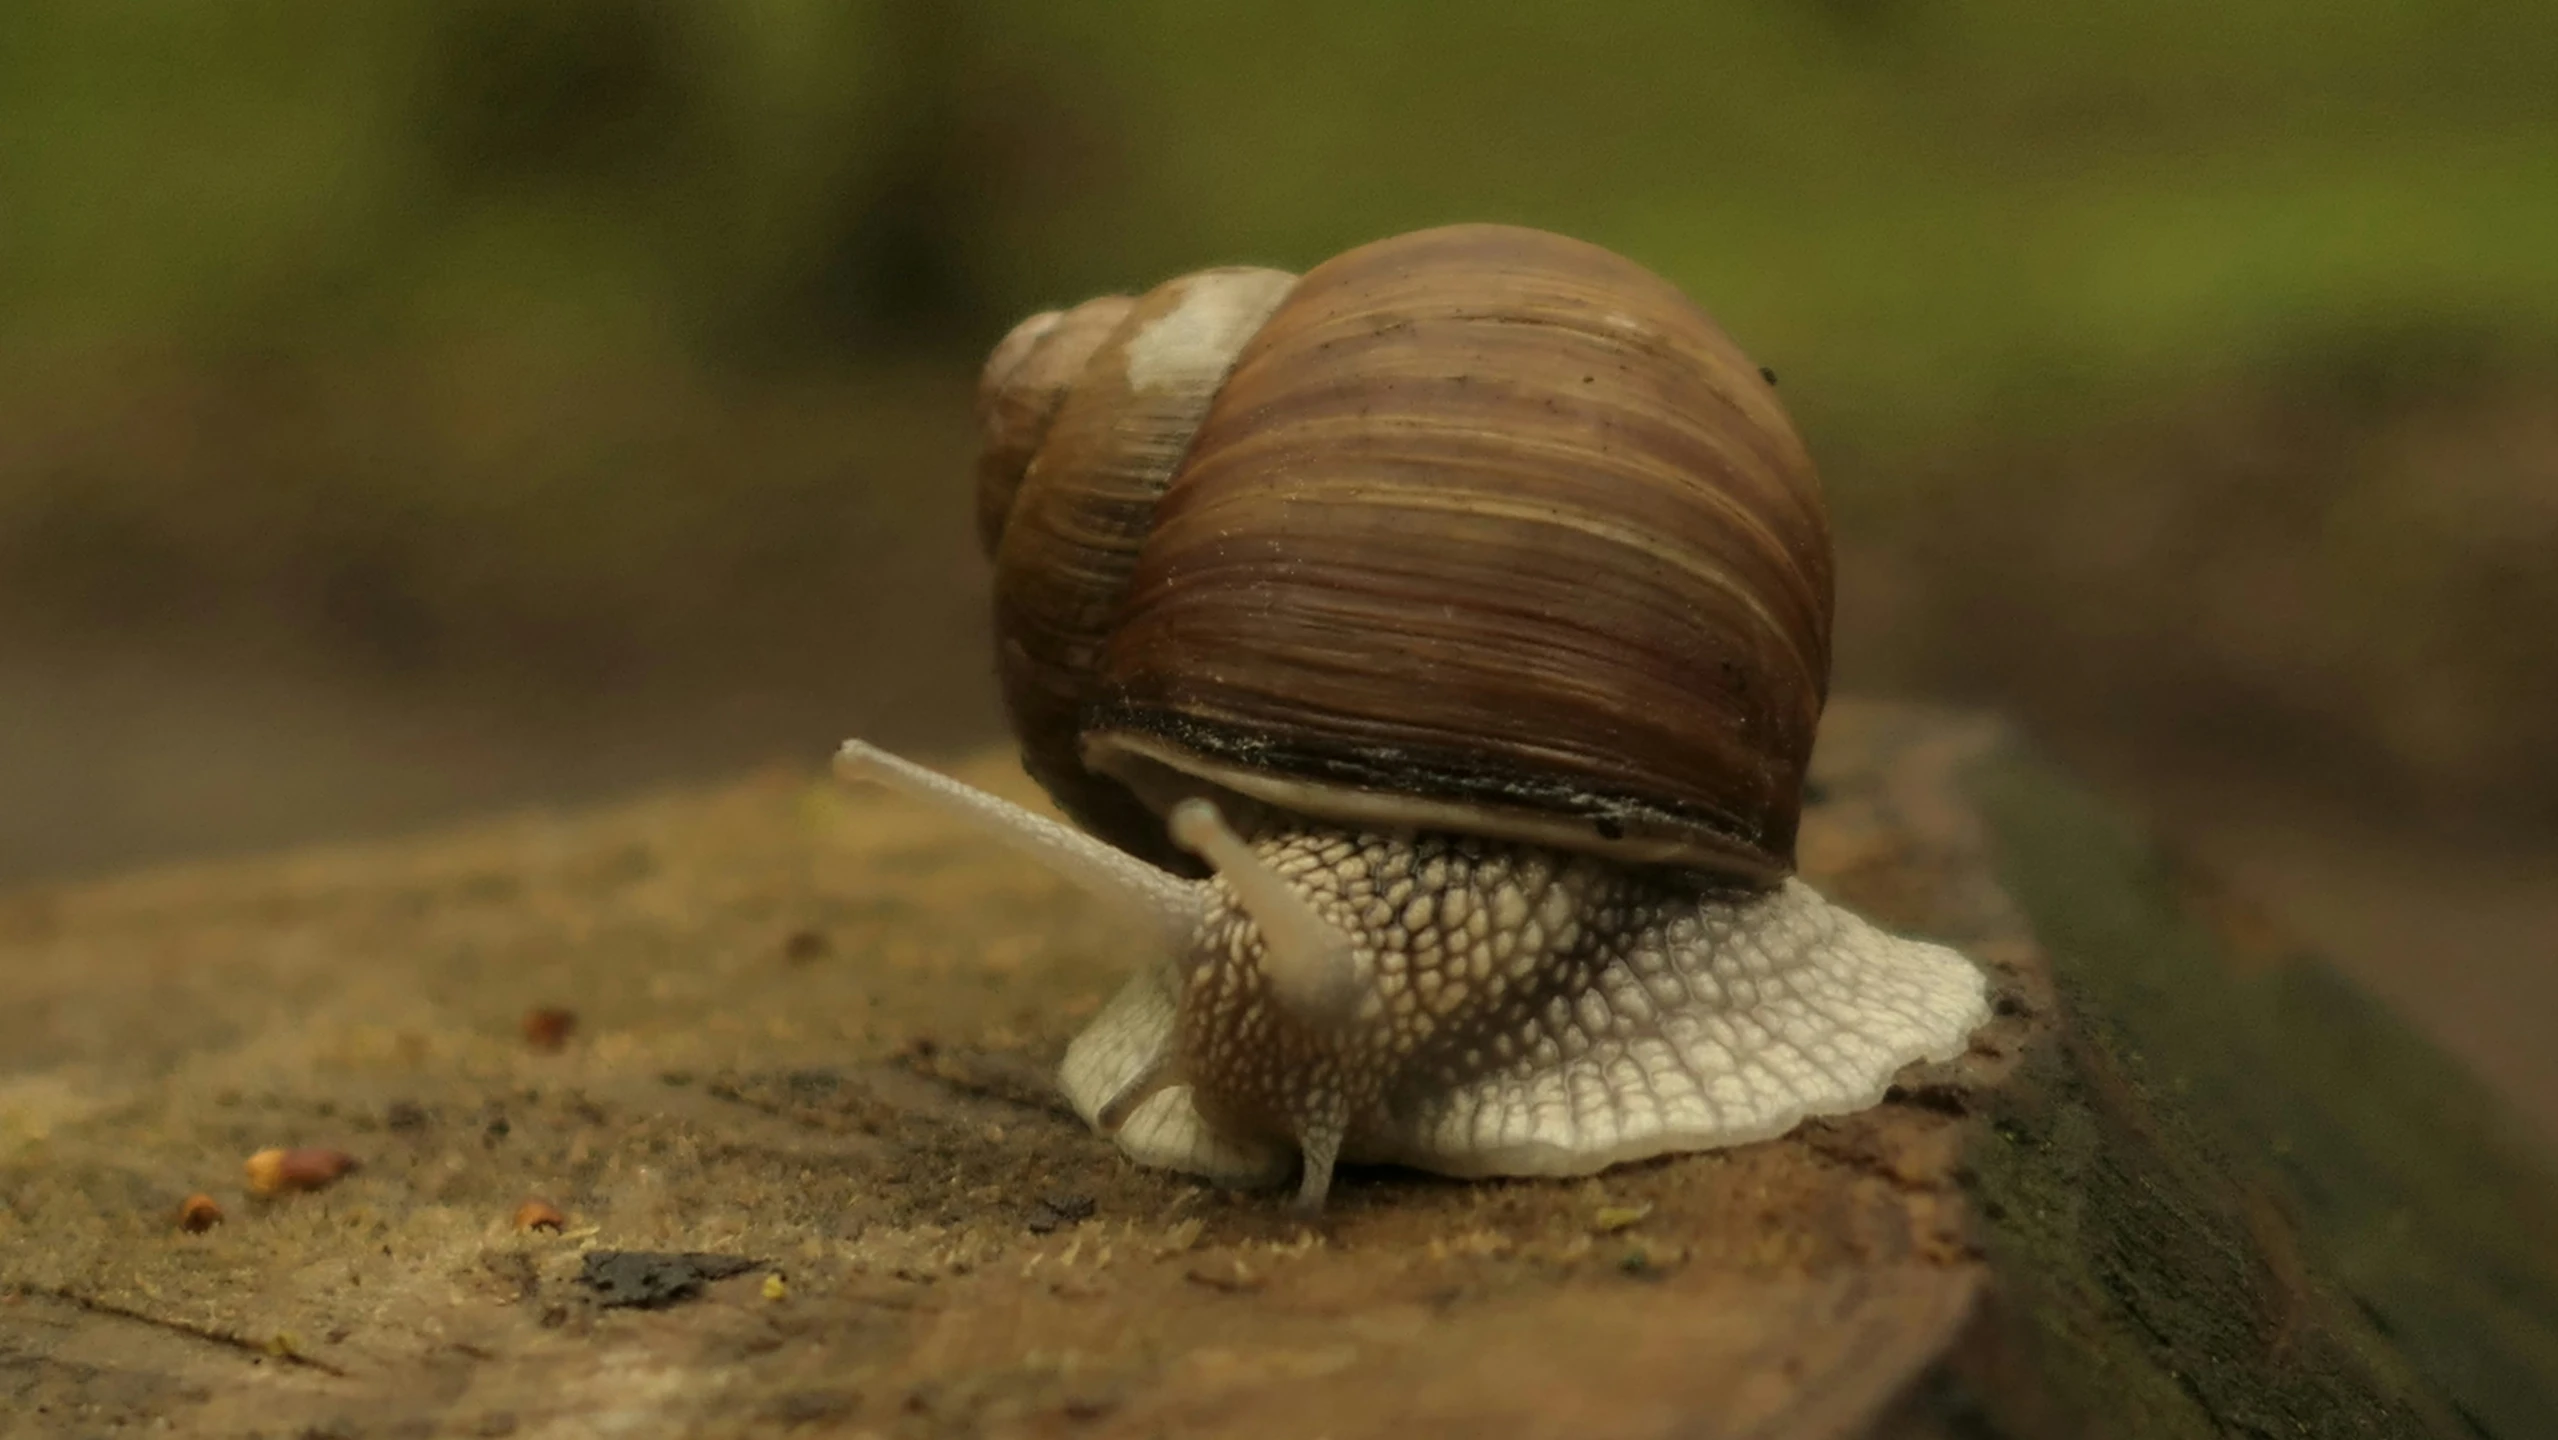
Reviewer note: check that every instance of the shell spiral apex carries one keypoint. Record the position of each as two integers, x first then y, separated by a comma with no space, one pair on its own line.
1435,645
1117,387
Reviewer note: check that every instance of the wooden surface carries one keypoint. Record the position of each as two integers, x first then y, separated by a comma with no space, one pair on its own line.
2186,1183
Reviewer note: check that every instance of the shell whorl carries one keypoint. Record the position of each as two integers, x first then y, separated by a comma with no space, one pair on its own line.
1019,393
1088,414
1477,529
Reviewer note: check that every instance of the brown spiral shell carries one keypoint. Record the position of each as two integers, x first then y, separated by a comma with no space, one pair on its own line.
1477,529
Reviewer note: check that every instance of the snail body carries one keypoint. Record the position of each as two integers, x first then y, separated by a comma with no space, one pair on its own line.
1461,613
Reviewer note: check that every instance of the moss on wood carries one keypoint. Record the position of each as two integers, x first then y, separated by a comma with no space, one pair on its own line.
2235,1196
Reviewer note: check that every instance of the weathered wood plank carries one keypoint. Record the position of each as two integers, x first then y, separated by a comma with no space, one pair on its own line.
2185,1183
2257,1188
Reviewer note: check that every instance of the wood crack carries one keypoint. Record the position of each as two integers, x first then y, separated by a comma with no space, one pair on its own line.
227,1339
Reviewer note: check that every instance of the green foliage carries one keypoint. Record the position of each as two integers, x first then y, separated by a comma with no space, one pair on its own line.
1928,214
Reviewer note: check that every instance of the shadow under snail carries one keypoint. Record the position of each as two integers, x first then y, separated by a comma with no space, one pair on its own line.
1430,649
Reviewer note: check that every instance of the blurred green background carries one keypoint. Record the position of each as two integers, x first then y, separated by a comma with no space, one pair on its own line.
414,406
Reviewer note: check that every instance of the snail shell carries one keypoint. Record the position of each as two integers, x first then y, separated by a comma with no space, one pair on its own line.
1484,581
1478,529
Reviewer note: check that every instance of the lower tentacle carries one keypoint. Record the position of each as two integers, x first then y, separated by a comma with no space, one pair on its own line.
1319,1146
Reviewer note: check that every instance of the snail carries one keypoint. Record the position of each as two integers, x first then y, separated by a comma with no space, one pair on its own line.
1428,651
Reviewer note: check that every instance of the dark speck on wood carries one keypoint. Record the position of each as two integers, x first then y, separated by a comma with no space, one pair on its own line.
647,1279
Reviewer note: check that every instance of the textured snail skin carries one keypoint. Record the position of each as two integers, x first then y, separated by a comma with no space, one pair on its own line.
1520,1013
1512,1009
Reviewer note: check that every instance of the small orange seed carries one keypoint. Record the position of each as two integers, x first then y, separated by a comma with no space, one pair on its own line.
272,1172
547,1027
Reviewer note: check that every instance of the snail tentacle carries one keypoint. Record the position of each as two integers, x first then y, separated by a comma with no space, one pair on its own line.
1173,908
1319,1141
1308,962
